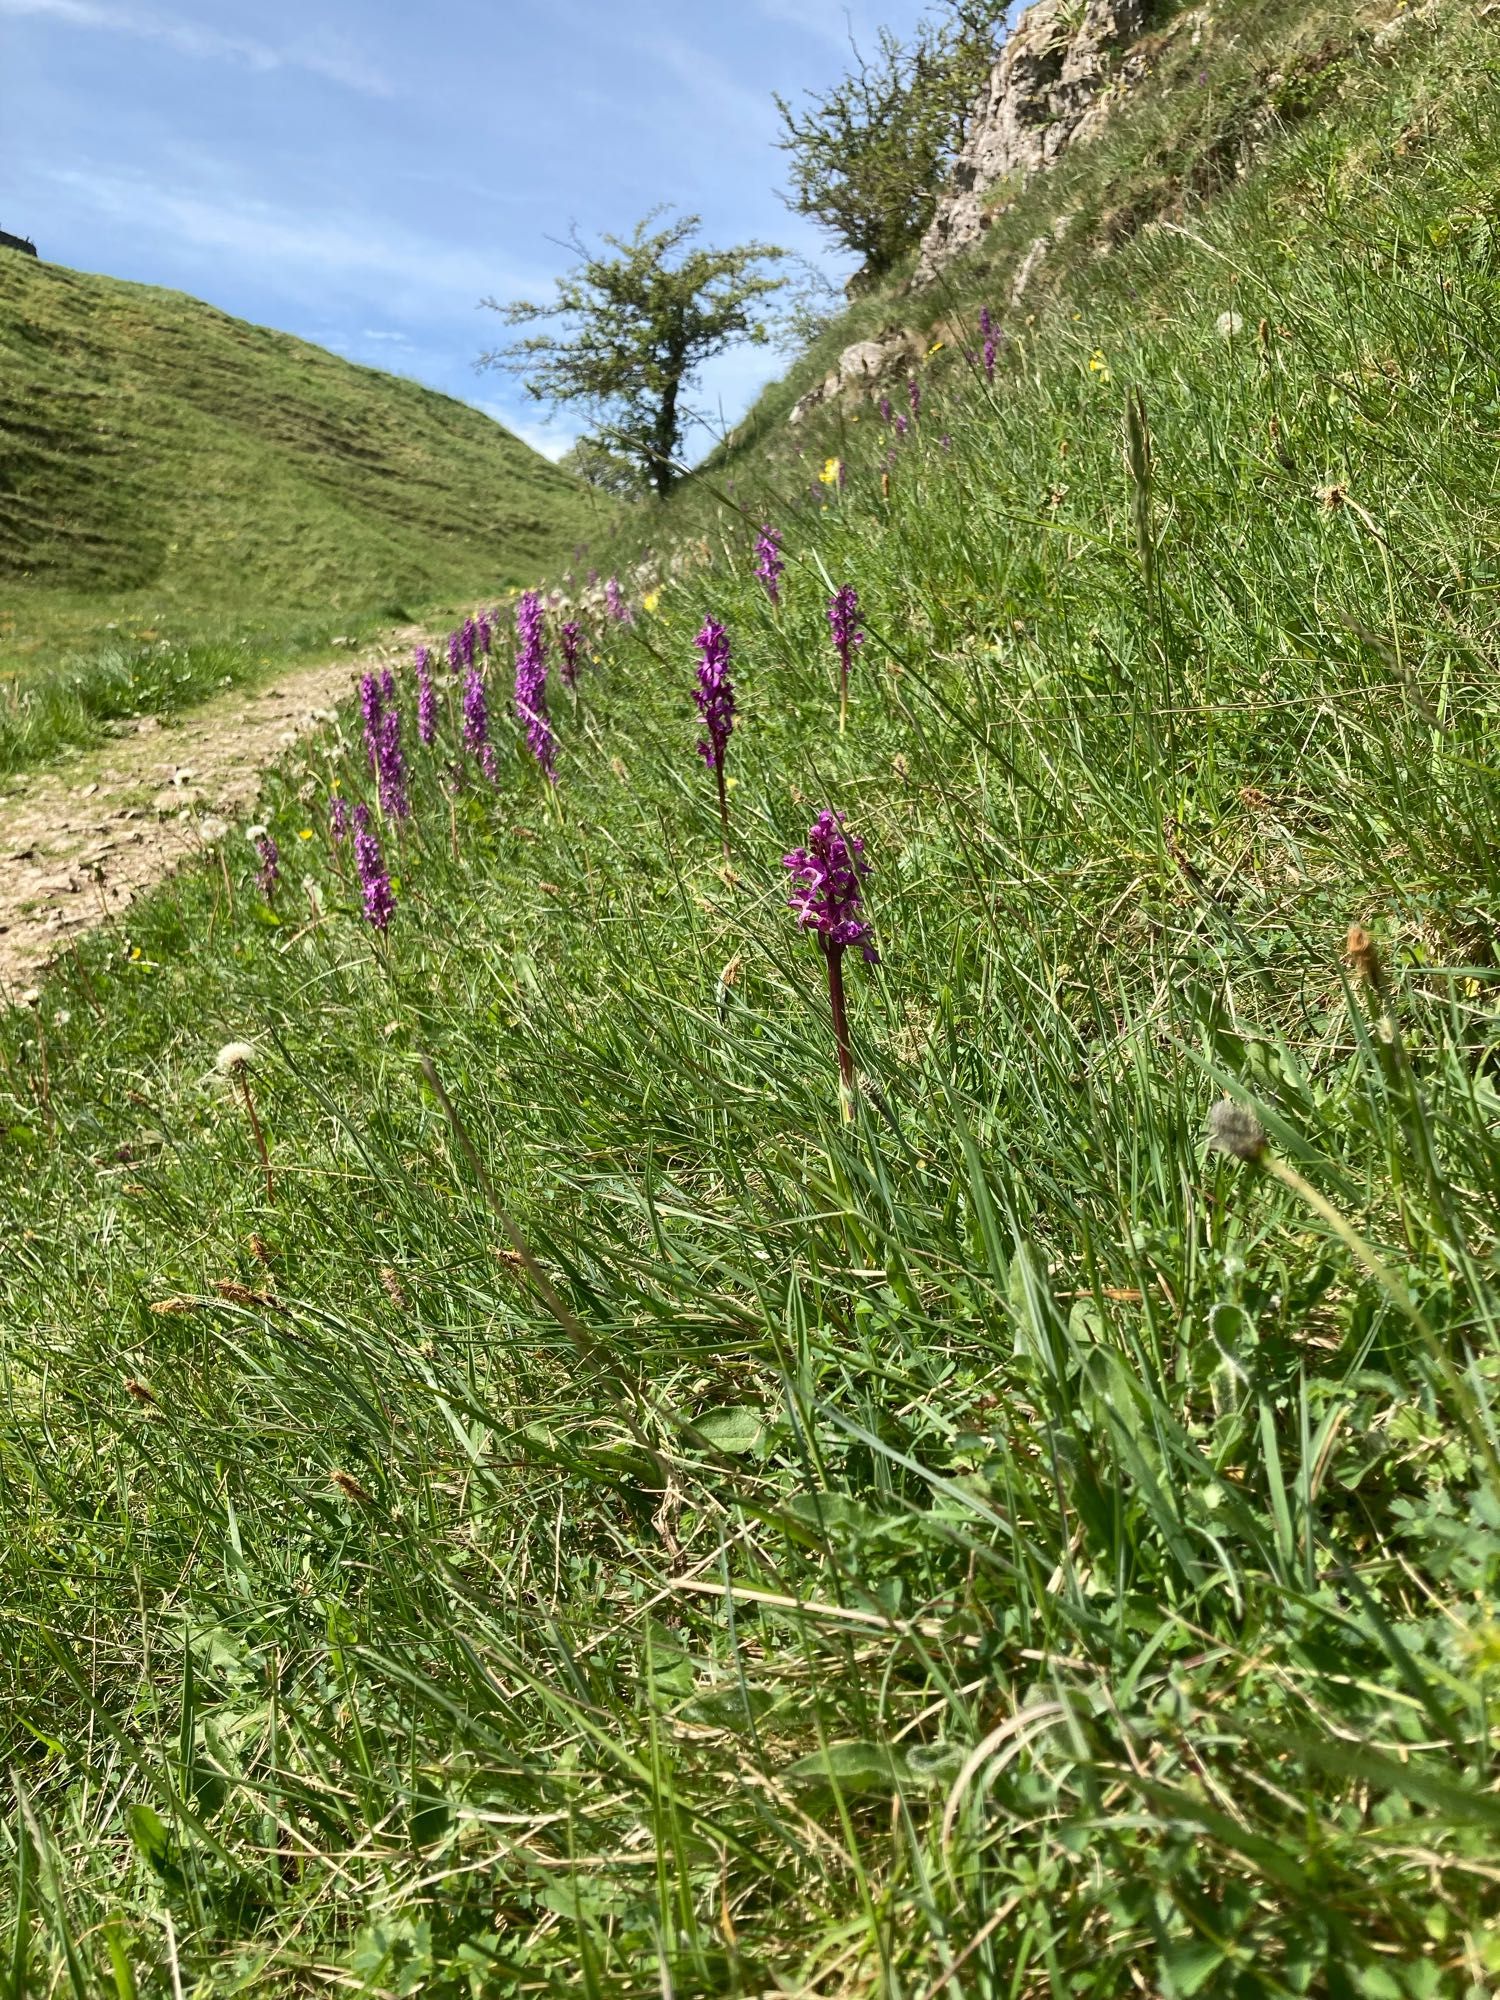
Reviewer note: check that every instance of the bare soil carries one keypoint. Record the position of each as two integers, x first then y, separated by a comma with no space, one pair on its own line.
78,844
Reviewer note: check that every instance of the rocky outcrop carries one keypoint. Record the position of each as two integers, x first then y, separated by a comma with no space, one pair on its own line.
860,366
1046,88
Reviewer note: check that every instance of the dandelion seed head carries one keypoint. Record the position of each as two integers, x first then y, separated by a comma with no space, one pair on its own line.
1235,1130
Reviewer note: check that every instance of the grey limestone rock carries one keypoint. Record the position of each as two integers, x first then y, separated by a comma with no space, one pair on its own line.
1057,61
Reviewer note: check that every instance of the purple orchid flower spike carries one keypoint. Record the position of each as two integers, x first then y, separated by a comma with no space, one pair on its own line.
769,562
826,898
390,765
531,682
374,879
848,633
268,874
476,733
370,707
570,641
714,695
427,705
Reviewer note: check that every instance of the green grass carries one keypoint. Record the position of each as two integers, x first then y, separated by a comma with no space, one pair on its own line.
188,502
989,1545
162,463
67,707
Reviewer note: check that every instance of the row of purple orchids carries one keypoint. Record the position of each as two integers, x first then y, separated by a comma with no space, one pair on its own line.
826,875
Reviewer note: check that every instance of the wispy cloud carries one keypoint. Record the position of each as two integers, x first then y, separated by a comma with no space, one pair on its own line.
710,84
386,265
332,58
551,440
830,21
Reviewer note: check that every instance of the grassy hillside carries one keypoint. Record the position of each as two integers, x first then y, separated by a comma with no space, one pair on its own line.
1217,93
158,458
601,1519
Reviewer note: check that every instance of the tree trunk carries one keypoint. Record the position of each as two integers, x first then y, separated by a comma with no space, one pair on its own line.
663,471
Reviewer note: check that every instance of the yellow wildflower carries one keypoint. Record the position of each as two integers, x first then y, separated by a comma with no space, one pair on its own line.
1099,366
650,601
304,833
831,472
936,348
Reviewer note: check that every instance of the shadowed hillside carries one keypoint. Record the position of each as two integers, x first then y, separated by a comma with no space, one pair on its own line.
148,441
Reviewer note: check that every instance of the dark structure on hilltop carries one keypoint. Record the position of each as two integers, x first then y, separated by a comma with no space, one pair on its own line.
22,243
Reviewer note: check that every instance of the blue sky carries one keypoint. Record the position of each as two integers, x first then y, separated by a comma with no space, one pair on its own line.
363,174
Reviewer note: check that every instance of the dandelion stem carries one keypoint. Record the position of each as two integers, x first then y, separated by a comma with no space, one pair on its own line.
1347,1234
258,1135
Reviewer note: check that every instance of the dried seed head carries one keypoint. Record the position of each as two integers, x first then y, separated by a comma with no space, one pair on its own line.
350,1487
730,976
391,1285
173,1308
260,1250
140,1392
238,1294
512,1259
235,1058
1363,959
1333,497
1235,1131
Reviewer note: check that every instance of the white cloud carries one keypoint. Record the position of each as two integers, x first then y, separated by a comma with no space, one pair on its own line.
400,268
383,333
710,84
550,440
331,58
826,20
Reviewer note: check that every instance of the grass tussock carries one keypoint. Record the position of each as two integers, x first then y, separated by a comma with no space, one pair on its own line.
606,1511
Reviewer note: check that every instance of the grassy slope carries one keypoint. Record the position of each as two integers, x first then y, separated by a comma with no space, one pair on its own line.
155,445
170,474
1093,1488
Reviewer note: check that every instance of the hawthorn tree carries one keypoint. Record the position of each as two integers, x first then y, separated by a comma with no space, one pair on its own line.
629,329
870,156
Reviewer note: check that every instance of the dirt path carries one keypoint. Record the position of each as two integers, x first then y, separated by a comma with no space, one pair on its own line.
78,844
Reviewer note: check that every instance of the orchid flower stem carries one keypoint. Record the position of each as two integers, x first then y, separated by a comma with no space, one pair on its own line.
847,1088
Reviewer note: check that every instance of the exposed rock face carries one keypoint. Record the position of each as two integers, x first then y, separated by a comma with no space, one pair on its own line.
860,365
1054,65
